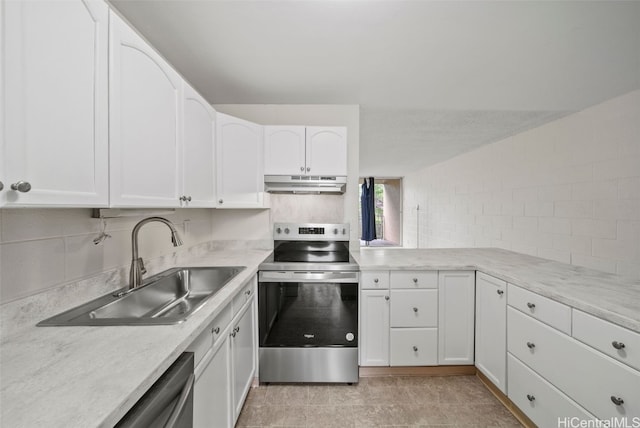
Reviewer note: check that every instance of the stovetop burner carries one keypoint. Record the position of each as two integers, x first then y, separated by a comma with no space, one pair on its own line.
310,246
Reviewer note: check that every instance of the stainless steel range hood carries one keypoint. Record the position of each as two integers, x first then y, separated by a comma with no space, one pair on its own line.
304,184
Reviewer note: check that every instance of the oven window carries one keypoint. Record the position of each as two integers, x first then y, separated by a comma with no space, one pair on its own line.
302,314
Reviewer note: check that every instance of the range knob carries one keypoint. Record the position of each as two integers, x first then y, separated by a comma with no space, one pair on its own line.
286,230
335,231
278,230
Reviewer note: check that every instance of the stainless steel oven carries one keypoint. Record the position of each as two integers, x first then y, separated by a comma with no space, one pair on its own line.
308,306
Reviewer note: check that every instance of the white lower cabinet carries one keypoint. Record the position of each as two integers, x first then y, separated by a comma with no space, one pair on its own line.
456,303
212,390
543,403
417,318
602,385
491,329
243,356
414,347
225,358
374,328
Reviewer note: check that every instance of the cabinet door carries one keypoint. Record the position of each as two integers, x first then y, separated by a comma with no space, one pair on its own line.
198,151
326,150
456,295
212,391
145,106
491,329
374,328
284,150
243,345
55,103
239,163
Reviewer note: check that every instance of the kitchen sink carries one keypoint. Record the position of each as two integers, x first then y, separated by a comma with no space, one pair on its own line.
166,298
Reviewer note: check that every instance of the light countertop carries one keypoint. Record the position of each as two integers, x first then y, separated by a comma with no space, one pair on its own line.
91,376
608,296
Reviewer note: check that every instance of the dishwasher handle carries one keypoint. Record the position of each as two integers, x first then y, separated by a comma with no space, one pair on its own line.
182,401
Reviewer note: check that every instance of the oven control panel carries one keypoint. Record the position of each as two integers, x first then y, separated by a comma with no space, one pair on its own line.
311,232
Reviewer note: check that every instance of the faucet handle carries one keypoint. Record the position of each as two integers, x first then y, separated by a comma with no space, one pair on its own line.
143,269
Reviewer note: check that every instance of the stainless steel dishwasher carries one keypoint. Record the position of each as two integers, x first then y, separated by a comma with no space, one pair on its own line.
169,401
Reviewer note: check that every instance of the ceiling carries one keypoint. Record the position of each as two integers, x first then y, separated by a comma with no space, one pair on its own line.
433,78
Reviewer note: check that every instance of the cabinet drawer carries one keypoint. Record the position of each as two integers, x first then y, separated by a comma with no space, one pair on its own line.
414,279
546,310
538,399
243,296
414,346
374,280
414,308
592,379
207,338
613,340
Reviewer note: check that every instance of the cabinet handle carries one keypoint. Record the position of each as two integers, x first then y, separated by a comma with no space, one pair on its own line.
233,334
220,201
237,329
215,330
1,185
308,168
500,292
302,168
415,349
415,280
532,398
376,280
617,345
248,292
531,345
617,400
183,198
188,198
21,186
531,305
415,310
386,297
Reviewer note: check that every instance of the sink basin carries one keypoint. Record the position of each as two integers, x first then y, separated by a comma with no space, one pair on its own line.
166,298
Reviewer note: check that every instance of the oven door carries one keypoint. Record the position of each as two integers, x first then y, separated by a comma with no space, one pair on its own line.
308,309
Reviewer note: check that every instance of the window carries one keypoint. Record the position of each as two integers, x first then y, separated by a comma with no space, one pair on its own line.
388,212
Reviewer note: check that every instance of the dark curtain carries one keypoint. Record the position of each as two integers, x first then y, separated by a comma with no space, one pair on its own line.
368,208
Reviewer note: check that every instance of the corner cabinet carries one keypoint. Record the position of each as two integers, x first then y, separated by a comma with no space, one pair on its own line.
491,329
54,66
311,150
456,317
239,163
198,151
145,106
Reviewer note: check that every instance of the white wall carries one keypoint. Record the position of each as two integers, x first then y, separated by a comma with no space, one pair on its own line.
568,191
305,208
43,248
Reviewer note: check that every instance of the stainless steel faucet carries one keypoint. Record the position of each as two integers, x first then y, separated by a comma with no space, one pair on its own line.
137,265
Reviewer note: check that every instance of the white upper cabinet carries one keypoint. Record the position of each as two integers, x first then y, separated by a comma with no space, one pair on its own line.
239,163
311,150
326,150
145,135
284,150
198,151
55,103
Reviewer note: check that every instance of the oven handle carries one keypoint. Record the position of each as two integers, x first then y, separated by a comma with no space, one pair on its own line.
296,276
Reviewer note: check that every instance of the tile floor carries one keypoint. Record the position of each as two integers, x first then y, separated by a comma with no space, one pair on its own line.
417,401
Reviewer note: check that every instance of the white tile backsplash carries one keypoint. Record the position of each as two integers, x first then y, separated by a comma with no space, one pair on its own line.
43,248
568,191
